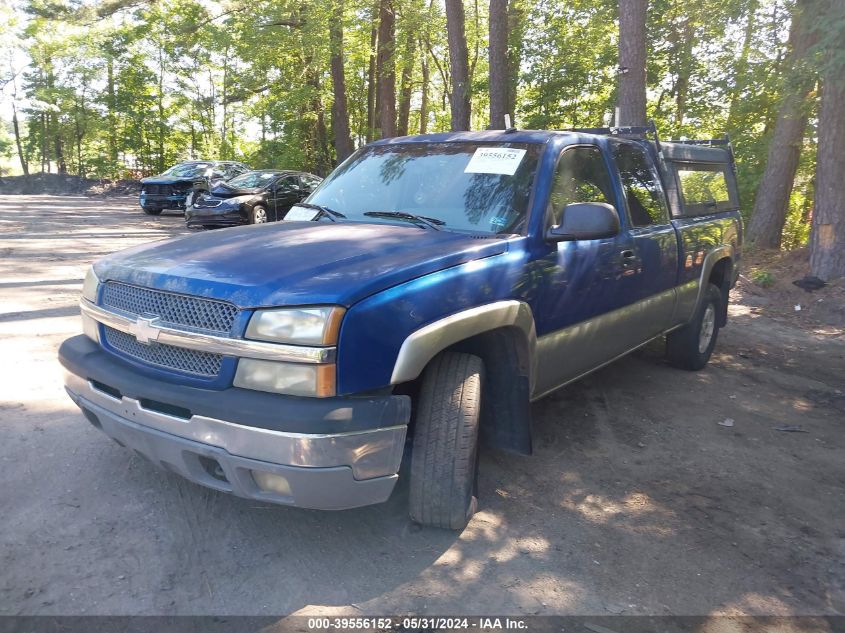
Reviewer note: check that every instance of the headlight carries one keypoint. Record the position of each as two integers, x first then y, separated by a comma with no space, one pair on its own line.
90,327
90,286
293,379
297,326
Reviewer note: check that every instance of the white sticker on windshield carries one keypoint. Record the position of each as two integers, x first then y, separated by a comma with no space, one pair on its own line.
301,214
495,160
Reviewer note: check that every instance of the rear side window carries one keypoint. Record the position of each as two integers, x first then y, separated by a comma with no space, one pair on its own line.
288,183
704,188
310,181
643,193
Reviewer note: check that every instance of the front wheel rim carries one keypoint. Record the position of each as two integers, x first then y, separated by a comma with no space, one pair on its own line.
708,327
259,216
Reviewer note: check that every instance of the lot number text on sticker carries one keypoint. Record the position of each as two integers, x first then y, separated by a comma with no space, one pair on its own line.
495,160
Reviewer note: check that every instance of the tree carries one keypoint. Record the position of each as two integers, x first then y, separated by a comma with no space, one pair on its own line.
827,241
772,200
459,61
498,55
340,114
516,36
386,70
405,83
632,61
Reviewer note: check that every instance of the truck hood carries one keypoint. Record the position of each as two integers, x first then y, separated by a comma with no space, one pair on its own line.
294,263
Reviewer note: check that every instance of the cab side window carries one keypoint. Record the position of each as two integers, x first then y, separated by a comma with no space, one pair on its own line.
643,193
581,176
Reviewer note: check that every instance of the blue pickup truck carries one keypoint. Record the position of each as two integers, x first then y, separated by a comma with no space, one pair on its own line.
412,307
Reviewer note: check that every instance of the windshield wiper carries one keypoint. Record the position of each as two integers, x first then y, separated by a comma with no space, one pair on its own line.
331,214
432,223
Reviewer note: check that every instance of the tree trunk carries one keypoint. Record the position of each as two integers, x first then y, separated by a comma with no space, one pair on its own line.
424,96
17,131
772,202
371,80
386,71
741,65
406,85
516,38
161,158
45,159
340,113
58,143
224,131
459,60
632,52
827,239
498,55
112,117
685,58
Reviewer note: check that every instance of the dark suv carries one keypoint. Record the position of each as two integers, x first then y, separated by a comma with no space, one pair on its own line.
175,188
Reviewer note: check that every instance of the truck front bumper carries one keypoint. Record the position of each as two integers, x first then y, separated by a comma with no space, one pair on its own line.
327,470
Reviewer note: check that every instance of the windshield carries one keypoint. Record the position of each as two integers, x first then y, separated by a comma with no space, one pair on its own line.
252,180
478,187
186,170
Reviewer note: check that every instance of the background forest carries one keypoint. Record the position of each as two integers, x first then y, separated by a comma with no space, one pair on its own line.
125,88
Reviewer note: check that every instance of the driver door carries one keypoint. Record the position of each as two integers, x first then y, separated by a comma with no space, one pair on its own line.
585,286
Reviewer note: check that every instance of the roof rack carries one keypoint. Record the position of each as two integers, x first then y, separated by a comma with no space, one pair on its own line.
630,131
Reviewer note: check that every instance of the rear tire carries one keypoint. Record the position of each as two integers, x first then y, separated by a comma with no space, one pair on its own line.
690,347
149,211
444,459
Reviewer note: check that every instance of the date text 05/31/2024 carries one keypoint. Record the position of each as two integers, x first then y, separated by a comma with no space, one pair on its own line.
409,622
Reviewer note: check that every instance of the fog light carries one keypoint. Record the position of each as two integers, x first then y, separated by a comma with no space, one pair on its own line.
293,379
271,482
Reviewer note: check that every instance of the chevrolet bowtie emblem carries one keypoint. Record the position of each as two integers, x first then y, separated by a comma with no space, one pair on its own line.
145,330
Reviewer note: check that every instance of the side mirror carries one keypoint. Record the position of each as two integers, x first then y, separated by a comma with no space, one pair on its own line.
585,221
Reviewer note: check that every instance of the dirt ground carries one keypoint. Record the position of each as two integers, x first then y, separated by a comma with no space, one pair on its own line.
637,501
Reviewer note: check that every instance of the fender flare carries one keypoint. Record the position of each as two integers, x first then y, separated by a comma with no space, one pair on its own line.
424,344
725,251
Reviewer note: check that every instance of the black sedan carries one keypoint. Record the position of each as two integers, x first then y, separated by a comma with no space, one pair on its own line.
251,198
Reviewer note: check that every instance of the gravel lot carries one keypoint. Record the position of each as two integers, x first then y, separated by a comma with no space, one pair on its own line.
636,502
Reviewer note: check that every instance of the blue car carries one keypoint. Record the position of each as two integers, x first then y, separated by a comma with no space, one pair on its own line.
176,187
413,305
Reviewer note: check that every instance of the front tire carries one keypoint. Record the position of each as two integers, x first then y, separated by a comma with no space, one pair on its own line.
690,347
258,215
445,449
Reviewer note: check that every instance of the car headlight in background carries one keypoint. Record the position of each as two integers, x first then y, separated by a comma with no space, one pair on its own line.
297,326
89,291
293,379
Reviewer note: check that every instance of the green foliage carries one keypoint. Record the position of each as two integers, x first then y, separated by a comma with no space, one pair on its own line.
763,278
118,88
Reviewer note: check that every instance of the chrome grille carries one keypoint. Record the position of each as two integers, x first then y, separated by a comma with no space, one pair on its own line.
177,358
195,313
